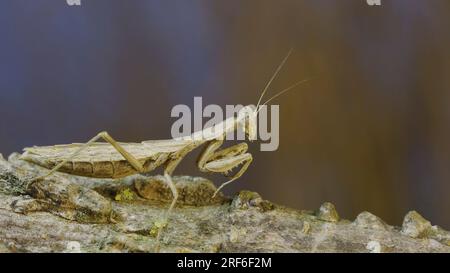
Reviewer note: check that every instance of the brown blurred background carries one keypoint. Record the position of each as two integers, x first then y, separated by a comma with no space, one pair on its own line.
369,132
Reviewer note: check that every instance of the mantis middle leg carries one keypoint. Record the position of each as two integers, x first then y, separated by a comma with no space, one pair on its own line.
168,170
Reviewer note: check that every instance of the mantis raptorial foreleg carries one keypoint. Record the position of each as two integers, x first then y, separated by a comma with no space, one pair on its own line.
105,136
225,160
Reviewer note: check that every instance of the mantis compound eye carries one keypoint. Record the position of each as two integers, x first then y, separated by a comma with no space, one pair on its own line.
251,127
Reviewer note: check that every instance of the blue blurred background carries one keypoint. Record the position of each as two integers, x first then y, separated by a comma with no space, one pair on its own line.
369,132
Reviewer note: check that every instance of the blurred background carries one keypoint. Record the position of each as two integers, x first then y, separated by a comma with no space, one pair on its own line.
370,131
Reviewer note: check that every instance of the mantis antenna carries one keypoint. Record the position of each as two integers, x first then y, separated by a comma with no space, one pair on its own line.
281,93
273,77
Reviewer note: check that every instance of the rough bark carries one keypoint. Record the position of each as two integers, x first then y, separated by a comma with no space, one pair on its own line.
66,213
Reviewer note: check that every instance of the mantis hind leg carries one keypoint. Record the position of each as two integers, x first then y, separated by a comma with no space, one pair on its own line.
225,160
105,136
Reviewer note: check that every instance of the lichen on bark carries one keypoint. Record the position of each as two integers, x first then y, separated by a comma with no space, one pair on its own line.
65,213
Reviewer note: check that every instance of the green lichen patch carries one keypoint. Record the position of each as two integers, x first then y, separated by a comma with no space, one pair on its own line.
157,225
125,195
11,184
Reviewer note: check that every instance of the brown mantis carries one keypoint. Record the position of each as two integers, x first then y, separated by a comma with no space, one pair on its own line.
112,159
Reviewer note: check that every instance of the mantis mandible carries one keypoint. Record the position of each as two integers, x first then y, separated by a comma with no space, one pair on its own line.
112,159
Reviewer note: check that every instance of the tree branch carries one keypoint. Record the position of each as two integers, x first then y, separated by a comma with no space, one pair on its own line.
70,214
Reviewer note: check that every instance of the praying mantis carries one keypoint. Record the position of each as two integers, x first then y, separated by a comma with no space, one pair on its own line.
112,159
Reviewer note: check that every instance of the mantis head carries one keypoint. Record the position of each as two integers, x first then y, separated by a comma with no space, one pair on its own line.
247,119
